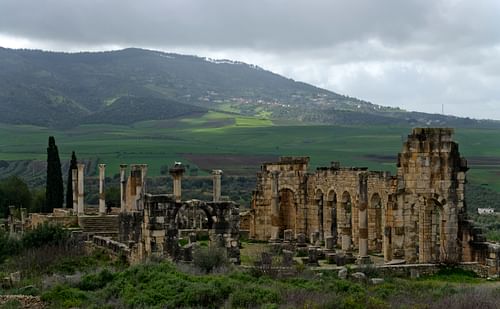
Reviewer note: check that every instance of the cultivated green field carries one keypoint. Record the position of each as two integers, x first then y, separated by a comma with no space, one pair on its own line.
238,144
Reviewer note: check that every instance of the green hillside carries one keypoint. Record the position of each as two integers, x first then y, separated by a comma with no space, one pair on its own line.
61,90
236,144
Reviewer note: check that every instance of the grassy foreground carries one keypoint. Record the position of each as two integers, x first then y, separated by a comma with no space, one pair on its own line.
165,285
66,275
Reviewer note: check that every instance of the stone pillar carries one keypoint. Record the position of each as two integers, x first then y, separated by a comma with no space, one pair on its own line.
123,187
81,207
144,171
12,220
217,174
346,239
363,217
275,210
74,183
102,194
23,213
177,171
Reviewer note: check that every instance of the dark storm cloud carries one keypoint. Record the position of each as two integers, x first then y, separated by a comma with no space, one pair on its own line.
270,24
417,54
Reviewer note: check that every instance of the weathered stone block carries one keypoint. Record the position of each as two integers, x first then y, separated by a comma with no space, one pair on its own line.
330,242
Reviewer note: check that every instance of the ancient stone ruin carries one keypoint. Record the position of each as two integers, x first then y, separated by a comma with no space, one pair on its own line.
415,216
151,225
146,225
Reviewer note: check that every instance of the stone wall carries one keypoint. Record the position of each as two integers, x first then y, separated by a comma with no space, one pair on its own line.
415,215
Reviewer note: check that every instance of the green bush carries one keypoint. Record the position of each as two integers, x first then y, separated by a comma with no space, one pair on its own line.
92,282
210,258
454,274
253,296
63,296
45,234
8,246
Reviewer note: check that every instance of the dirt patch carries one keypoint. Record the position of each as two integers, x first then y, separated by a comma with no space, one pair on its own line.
229,163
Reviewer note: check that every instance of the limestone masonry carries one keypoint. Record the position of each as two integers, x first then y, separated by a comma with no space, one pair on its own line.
415,216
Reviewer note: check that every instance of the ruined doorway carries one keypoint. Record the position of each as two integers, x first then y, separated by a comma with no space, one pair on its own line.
288,210
375,224
193,216
431,232
346,219
331,215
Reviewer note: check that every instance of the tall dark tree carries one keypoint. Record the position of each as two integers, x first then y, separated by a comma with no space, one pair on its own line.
69,184
54,190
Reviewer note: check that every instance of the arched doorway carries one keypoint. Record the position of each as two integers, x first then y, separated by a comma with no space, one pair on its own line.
288,210
375,224
431,233
193,216
318,197
346,220
330,215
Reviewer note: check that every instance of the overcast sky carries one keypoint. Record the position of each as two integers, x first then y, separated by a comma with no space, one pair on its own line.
414,54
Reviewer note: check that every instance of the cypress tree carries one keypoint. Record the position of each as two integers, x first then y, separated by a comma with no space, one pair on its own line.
69,185
54,190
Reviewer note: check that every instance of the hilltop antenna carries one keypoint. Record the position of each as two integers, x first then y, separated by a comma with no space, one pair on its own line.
442,108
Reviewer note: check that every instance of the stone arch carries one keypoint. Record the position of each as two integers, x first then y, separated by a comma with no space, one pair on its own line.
211,217
330,215
346,220
319,200
375,227
432,237
287,209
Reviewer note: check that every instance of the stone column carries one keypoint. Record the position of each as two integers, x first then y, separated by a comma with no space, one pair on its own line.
74,183
12,220
346,239
24,214
81,207
144,171
123,187
275,210
217,174
363,218
177,171
102,194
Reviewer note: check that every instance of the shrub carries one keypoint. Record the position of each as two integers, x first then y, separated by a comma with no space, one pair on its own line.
454,274
253,296
64,296
92,282
210,258
8,246
45,259
45,234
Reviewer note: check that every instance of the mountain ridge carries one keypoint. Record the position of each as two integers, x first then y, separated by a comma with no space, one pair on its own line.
58,89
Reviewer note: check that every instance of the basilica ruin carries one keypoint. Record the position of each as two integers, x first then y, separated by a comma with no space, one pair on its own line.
415,216
343,214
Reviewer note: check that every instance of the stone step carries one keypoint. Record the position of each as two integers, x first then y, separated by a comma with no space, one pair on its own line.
99,224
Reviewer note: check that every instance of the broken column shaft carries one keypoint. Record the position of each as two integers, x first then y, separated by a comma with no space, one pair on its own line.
217,174
102,200
123,183
363,218
74,183
177,171
81,207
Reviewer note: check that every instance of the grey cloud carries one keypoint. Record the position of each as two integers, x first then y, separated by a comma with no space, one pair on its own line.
416,54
